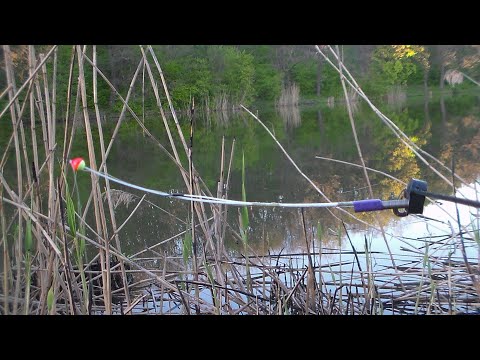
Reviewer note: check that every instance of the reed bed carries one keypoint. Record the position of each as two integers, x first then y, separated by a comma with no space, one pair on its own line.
289,96
55,261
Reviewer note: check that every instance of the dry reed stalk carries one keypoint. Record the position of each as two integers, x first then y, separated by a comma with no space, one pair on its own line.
31,61
390,124
6,267
128,260
183,171
367,299
320,267
432,305
76,112
67,143
54,90
19,252
167,128
5,92
39,103
117,229
311,282
133,114
34,219
165,122
19,127
14,97
129,309
126,106
360,166
143,95
200,210
68,266
352,123
302,173
469,78
219,215
390,177
66,149
170,104
272,274
50,129
53,205
162,242
199,206
476,285
227,184
192,210
119,122
98,205
162,290
22,130
107,184
360,155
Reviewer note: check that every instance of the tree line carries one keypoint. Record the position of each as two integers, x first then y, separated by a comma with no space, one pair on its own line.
222,75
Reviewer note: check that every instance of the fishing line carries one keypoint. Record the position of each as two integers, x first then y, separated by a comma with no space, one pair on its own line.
412,203
213,200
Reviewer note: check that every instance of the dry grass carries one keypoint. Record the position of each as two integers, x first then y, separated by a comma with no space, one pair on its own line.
289,96
453,77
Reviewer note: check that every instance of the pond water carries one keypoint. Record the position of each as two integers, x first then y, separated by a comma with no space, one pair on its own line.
444,127
306,133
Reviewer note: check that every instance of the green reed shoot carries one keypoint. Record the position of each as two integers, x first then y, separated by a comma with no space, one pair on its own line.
50,298
79,244
28,262
320,238
5,255
81,229
339,235
370,278
244,209
476,230
426,262
187,244
216,300
244,223
432,284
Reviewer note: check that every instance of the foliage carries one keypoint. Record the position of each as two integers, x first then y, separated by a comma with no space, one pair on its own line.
396,64
189,77
238,74
244,73
330,81
304,74
267,82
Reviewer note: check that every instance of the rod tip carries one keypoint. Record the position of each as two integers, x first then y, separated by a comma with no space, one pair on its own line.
77,163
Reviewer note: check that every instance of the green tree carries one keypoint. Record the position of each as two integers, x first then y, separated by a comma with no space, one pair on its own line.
188,77
238,75
396,64
304,74
267,82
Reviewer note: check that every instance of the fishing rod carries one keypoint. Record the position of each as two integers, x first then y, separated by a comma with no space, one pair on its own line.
412,202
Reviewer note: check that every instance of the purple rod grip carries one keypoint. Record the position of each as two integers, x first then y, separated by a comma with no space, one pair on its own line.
367,205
